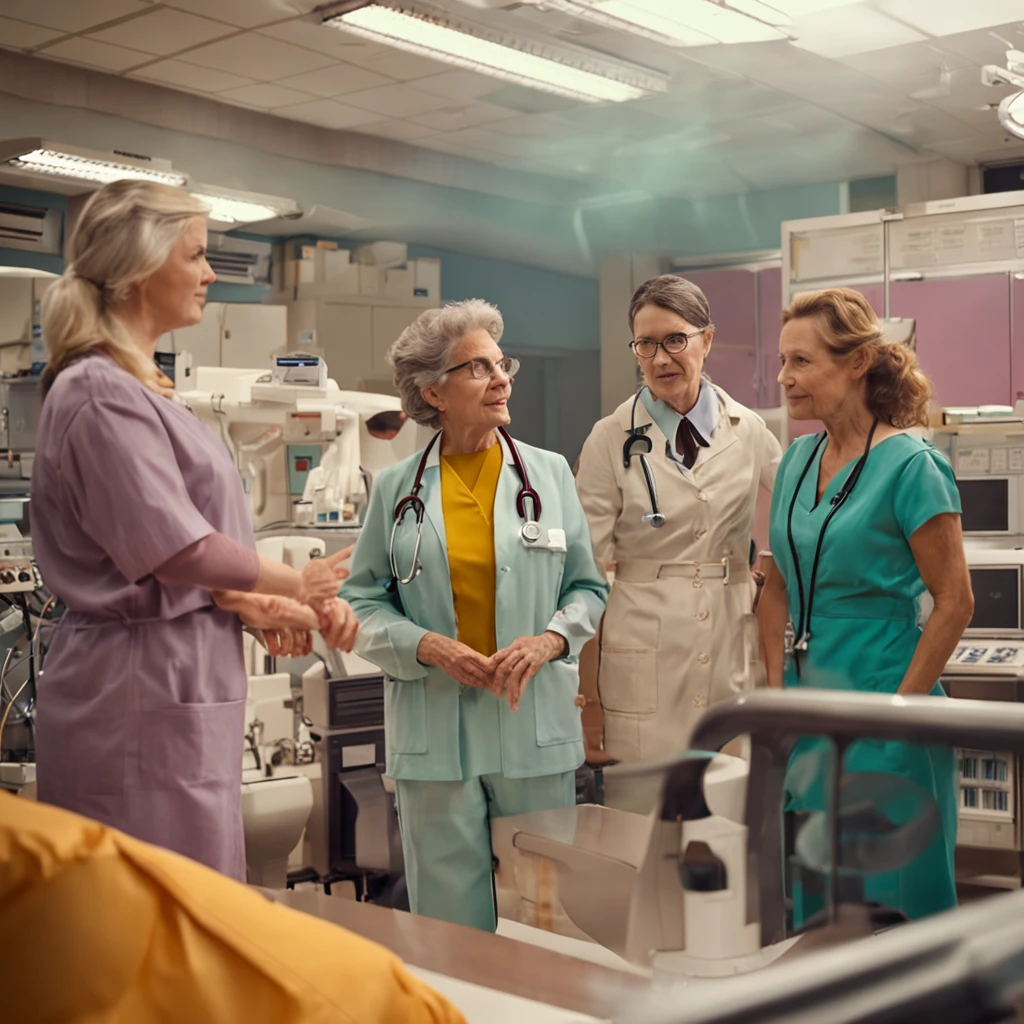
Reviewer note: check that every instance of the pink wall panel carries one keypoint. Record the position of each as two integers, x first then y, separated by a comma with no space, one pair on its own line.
1017,340
769,303
732,363
963,335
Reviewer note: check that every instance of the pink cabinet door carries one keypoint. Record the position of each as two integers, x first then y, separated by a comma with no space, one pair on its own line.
1017,339
732,362
963,335
769,312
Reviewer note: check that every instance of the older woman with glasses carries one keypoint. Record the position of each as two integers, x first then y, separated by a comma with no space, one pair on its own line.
669,482
475,587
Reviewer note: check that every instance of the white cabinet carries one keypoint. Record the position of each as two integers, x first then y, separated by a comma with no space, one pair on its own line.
353,333
235,334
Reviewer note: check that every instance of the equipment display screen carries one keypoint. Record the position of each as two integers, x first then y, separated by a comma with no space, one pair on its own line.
996,598
986,505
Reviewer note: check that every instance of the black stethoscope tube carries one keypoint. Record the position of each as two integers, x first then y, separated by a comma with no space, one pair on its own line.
803,625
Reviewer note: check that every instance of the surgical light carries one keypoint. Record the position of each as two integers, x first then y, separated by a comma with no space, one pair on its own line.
417,30
38,157
1011,114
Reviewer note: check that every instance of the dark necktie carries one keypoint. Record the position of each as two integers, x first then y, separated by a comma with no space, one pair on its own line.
688,442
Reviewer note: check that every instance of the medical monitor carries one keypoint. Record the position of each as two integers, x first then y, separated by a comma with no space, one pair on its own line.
989,505
996,579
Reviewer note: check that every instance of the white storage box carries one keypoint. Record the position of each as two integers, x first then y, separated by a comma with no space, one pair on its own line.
427,279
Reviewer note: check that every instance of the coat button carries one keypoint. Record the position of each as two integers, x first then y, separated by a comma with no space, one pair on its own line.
702,615
698,701
700,532
702,496
703,657
505,568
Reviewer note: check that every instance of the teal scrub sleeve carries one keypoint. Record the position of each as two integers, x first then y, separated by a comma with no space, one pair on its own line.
387,638
584,590
925,489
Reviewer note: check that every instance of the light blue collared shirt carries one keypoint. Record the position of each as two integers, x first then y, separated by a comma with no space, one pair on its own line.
703,416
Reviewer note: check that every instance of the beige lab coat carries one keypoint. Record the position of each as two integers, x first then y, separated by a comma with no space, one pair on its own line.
672,634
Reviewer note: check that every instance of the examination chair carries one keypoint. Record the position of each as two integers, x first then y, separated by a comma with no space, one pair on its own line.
712,861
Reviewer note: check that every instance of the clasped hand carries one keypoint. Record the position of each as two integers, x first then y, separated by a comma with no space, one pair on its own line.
505,674
285,626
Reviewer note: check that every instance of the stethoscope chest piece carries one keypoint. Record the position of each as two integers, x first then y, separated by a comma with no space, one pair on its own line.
531,531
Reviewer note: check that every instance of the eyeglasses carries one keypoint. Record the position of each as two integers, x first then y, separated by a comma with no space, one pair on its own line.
481,368
673,344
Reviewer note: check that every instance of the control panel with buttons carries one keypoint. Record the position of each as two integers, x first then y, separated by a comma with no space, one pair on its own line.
18,571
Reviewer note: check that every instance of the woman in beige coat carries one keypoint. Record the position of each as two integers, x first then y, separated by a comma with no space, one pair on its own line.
672,635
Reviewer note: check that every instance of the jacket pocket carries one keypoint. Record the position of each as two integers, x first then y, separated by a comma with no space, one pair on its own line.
405,716
189,744
558,718
627,680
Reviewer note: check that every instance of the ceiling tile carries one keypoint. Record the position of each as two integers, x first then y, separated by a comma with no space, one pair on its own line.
404,131
70,15
840,31
980,147
538,126
905,65
620,119
327,114
256,56
987,46
190,76
19,35
80,50
318,37
398,100
265,95
335,80
163,31
240,13
453,118
459,85
394,63
944,17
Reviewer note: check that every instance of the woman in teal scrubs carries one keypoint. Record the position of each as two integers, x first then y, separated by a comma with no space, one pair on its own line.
893,532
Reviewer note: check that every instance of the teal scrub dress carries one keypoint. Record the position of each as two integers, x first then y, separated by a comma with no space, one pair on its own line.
863,635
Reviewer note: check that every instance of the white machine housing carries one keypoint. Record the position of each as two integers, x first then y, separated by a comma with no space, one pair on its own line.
281,433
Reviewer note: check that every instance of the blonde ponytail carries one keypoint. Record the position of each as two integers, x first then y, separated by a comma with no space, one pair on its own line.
124,235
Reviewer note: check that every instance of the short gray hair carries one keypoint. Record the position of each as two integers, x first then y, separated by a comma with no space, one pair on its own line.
423,351
675,294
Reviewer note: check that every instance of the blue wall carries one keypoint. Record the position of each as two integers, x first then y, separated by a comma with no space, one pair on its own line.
542,309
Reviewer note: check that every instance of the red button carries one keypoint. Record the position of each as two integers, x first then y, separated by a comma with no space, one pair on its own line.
302,465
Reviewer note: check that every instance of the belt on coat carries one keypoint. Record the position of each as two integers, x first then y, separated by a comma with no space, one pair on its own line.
647,570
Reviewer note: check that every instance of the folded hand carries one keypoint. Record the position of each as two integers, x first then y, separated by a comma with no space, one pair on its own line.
518,663
338,625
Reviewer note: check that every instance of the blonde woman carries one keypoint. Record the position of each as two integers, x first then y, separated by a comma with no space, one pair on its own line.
141,526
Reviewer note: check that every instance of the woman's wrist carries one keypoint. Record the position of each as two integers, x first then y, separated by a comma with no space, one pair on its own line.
559,645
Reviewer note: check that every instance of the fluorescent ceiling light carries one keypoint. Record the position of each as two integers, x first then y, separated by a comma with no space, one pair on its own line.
425,33
1011,114
230,207
683,22
42,158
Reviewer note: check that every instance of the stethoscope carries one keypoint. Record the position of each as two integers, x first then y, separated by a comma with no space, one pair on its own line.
798,638
531,531
655,516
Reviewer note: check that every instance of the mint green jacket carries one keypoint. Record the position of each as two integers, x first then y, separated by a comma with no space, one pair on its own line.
537,590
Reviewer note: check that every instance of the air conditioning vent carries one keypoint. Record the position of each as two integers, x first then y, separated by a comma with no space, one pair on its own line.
239,260
36,228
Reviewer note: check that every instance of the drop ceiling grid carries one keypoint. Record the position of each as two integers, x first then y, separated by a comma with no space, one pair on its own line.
752,102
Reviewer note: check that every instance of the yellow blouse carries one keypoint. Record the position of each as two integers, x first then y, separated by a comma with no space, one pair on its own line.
468,485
